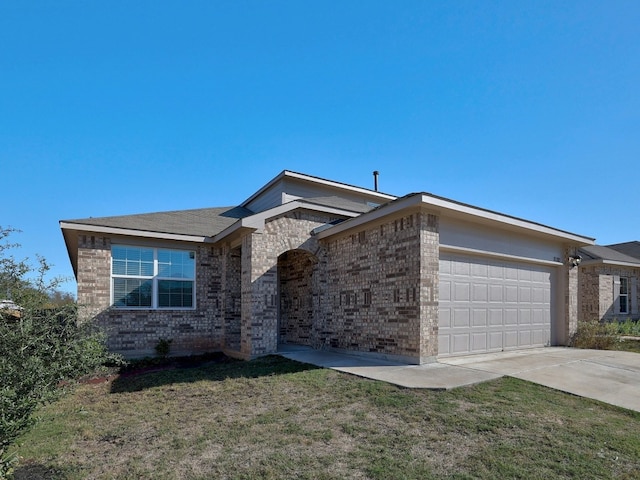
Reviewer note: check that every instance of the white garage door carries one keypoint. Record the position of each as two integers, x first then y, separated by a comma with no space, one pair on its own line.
489,305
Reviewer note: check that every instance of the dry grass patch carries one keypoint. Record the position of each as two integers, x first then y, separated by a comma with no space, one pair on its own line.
274,418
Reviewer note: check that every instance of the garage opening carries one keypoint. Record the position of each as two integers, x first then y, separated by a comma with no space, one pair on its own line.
489,305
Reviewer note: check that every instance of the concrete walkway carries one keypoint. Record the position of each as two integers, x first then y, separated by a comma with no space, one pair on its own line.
609,376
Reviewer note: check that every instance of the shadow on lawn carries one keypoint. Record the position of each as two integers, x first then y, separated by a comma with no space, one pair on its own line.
215,367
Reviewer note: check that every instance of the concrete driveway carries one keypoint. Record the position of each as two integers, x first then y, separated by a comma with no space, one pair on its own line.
609,376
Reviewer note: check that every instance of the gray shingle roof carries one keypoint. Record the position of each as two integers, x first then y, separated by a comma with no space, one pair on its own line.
628,248
599,252
205,222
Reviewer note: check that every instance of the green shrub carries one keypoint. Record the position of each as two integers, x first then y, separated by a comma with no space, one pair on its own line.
596,335
629,327
163,347
41,347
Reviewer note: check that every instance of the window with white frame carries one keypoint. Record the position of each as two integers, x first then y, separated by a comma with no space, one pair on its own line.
143,277
624,295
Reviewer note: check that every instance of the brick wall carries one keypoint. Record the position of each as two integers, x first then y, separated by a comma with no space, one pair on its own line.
135,333
382,289
596,294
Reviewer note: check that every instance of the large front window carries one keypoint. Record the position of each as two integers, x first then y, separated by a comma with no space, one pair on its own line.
152,277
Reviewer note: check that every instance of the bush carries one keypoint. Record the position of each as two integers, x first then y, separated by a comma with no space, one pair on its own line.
40,348
596,335
629,327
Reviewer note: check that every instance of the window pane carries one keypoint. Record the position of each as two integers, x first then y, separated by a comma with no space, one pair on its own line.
119,267
130,292
173,293
624,286
176,264
623,305
132,261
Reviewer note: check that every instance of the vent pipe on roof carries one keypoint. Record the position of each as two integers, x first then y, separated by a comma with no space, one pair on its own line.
375,179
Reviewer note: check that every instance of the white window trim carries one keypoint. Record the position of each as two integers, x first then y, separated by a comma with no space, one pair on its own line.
154,279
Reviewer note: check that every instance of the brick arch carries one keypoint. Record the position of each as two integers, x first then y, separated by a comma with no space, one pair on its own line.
298,297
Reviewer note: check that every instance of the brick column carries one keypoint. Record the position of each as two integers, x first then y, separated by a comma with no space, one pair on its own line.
259,321
429,285
570,295
94,275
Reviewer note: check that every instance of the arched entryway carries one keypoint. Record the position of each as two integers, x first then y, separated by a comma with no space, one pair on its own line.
297,312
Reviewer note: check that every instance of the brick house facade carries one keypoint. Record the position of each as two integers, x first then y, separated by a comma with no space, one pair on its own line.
315,262
609,283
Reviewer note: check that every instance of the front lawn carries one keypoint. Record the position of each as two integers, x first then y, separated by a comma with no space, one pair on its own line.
273,418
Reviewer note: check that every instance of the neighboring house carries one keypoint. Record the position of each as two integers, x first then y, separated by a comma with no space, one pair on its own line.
316,262
9,309
608,282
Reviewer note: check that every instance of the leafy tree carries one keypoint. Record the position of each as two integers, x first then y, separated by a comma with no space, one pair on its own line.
42,344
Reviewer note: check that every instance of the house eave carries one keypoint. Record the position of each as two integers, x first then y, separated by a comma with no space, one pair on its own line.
600,261
442,206
132,232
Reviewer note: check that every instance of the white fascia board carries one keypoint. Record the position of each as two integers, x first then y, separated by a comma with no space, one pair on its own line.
443,206
80,227
256,222
586,263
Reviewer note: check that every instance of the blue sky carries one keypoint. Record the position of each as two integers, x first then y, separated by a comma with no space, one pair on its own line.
530,108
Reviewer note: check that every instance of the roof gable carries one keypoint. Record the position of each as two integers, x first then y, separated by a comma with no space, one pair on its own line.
289,186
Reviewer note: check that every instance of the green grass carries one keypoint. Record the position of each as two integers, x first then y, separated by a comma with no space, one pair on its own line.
274,418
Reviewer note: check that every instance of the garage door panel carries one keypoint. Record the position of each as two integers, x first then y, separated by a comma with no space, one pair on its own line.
461,292
445,290
460,343
538,296
540,337
491,305
510,316
479,270
511,339
480,293
479,317
445,318
495,293
524,274
444,344
461,268
495,340
524,338
511,293
478,342
496,317
461,317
